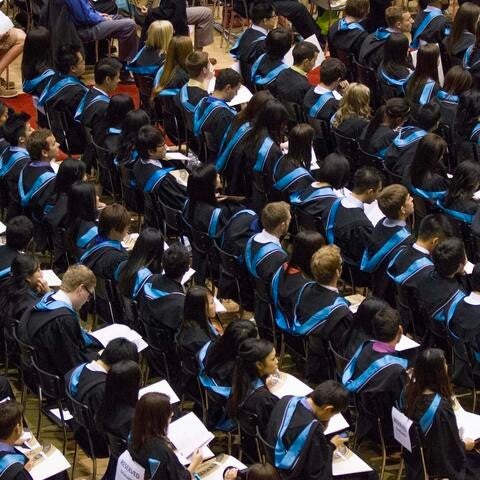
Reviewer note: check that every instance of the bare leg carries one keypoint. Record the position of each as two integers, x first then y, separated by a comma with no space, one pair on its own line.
8,56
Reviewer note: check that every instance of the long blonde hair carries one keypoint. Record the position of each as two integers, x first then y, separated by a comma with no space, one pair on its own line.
178,50
159,35
354,103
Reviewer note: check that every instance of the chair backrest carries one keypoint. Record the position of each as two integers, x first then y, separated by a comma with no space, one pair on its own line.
322,142
170,118
368,77
172,219
132,198
228,261
116,445
339,360
27,352
392,177
52,386
81,413
296,114
307,221
266,449
348,147
365,159
144,84
248,422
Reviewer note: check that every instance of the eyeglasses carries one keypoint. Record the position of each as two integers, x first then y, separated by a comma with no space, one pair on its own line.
90,294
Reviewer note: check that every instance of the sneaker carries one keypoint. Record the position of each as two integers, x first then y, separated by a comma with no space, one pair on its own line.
5,84
8,92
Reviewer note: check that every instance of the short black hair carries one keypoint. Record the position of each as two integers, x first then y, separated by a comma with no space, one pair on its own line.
19,232
227,76
67,57
448,255
428,116
332,393
119,349
106,67
304,51
10,417
260,10
475,278
15,127
148,139
435,225
278,42
366,178
332,69
176,261
385,324
334,169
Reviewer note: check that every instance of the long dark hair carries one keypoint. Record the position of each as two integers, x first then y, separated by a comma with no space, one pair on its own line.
395,51
225,348
250,112
195,310
118,108
468,113
151,420
427,159
300,141
121,388
426,69
71,171
201,184
250,351
464,183
271,121
37,53
147,252
134,121
430,373
466,19
363,318
457,80
305,244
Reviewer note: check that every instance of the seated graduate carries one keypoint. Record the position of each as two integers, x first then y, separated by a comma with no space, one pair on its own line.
217,360
442,288
398,21
107,252
302,421
467,125
82,213
161,304
361,326
251,44
213,116
153,174
263,149
173,75
429,401
149,445
347,225
94,104
389,235
316,200
13,157
383,127
291,173
292,83
268,66
322,101
70,171
52,326
422,86
18,237
395,68
459,202
463,32
426,177
464,328
144,260
23,287
353,112
431,25
412,265
376,375
37,66
251,402
64,92
121,395
107,135
231,161
402,150
151,57
198,68
471,60
86,384
347,34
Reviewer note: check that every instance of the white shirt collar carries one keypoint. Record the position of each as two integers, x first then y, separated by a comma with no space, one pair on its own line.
100,90
351,202
94,366
388,222
473,299
417,247
319,90
329,287
432,9
260,29
62,296
265,237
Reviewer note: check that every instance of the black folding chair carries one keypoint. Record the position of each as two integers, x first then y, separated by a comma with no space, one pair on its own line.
368,76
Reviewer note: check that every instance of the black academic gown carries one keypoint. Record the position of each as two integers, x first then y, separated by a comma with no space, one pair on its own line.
12,462
471,60
7,256
371,52
292,86
327,109
352,127
92,110
435,31
146,62
35,86
266,73
379,141
392,80
119,422
57,222
261,403
346,39
12,161
104,257
289,178
401,152
466,40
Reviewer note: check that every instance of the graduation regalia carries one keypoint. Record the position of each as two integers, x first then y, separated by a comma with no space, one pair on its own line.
301,448
448,104
86,237
35,87
265,71
423,95
371,52
377,376
471,62
53,328
379,141
92,109
7,256
147,61
347,37
400,154
12,464
292,85
62,95
393,81
211,118
12,161
321,106
467,39
430,26
289,178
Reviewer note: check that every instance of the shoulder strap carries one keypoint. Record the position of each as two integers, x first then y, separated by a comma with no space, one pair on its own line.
427,92
87,237
263,155
226,150
429,17
252,261
207,381
463,217
155,178
13,159
213,224
105,246
29,85
320,103
330,227
427,418
41,182
412,270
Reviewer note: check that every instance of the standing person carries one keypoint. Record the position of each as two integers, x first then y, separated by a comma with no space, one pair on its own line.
431,25
471,59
